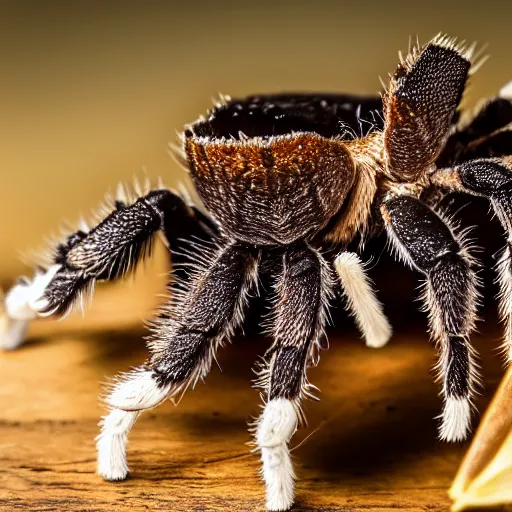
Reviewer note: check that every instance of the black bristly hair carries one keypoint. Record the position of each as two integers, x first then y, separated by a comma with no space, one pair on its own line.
328,115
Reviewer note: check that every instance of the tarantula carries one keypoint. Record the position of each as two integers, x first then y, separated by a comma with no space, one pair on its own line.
286,182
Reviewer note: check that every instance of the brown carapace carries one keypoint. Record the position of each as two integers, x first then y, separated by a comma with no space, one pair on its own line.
291,184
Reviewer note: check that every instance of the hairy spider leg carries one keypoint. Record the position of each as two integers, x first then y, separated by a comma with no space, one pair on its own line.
426,242
490,178
420,106
106,252
361,300
302,289
183,341
488,134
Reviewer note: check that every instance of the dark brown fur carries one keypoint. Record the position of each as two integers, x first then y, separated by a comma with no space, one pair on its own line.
273,191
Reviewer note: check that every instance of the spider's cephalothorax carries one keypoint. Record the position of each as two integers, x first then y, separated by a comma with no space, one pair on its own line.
282,178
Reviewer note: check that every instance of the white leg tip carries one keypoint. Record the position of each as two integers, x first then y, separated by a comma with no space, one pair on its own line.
380,336
111,444
36,302
21,304
138,390
26,298
12,332
362,301
279,479
16,302
277,424
506,91
456,420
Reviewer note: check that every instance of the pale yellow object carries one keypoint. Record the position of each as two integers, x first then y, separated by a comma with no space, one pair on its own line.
485,475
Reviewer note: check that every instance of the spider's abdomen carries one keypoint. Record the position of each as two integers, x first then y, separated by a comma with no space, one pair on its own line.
271,190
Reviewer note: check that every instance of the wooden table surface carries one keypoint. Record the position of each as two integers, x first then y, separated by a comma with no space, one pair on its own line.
372,439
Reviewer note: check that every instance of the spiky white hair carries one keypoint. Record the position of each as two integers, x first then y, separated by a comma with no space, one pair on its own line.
362,301
276,426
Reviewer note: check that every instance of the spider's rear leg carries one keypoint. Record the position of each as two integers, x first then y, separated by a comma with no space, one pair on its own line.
302,288
105,252
362,300
488,134
183,342
424,241
490,178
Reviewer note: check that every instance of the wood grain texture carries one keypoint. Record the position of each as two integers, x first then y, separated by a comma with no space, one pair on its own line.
371,446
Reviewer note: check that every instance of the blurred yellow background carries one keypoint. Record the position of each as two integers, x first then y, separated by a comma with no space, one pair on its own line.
91,93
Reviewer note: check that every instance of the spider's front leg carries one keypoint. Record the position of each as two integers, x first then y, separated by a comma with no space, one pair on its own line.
490,178
427,243
302,291
183,342
105,252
